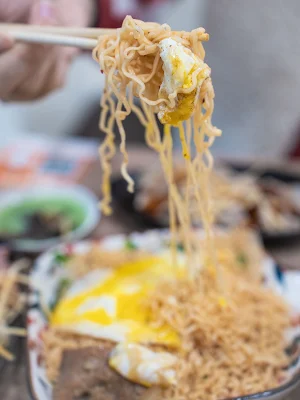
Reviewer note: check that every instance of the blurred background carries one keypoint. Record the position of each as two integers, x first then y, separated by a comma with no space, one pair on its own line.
254,55
49,147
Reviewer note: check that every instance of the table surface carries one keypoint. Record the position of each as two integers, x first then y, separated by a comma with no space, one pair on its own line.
13,376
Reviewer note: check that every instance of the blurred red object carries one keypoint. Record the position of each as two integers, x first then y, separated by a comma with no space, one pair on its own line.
294,150
112,12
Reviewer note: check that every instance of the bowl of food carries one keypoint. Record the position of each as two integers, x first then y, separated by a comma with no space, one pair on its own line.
118,319
34,219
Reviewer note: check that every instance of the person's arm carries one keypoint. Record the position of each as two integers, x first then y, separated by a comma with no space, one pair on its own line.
30,71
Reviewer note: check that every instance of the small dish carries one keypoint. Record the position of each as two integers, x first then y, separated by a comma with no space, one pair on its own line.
84,203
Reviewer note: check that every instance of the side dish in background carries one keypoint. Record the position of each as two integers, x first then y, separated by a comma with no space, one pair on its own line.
278,210
36,218
238,199
120,316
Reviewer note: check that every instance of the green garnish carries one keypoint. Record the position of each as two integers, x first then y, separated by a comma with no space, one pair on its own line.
180,247
61,258
242,259
129,245
62,287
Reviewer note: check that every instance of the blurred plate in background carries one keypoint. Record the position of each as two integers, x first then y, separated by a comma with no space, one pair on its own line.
265,178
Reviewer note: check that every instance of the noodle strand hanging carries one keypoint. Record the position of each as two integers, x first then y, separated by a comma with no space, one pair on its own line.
166,71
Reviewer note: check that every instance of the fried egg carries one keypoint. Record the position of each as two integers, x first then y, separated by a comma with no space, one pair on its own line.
110,303
181,66
142,365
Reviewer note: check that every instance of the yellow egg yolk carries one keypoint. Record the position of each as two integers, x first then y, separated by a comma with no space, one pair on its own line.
119,300
179,64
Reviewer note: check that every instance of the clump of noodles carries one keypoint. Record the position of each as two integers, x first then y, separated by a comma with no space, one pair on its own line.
231,345
231,328
131,62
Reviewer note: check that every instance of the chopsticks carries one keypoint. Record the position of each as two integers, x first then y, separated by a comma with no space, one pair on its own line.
56,30
48,38
84,38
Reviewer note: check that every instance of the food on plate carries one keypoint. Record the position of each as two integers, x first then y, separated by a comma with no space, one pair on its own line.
168,335
186,315
144,366
94,378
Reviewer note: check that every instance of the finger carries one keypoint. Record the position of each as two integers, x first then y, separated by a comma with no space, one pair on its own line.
12,69
6,43
32,89
49,64
48,76
22,66
58,76
52,62
43,12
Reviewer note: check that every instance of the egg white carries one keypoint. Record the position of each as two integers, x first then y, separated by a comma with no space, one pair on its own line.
109,303
142,365
174,75
179,65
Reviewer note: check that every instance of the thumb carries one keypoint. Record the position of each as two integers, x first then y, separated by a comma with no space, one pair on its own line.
6,43
43,12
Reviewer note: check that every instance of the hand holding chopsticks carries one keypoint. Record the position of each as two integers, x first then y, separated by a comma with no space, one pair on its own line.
29,71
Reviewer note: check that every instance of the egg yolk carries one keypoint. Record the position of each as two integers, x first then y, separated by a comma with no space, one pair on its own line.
179,64
119,300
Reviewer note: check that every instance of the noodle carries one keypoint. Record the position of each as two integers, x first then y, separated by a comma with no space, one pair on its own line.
132,66
230,327
231,345
230,348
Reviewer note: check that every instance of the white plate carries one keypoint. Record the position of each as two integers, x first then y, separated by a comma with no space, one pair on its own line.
47,270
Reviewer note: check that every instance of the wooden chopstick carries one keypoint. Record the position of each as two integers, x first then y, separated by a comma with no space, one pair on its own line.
56,30
52,39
